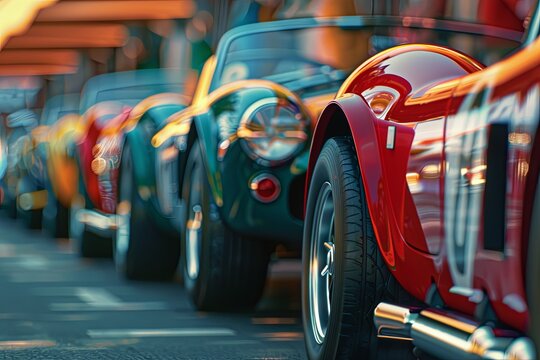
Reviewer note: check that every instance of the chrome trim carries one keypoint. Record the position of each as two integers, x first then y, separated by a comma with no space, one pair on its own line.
245,135
371,94
96,220
32,200
447,336
391,138
194,241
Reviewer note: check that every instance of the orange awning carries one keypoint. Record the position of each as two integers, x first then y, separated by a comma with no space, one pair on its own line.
37,69
83,35
16,16
39,37
117,10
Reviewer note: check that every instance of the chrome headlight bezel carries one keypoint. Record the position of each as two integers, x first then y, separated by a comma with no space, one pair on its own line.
255,126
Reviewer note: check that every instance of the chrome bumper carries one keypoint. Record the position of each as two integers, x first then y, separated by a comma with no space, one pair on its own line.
101,224
449,336
32,200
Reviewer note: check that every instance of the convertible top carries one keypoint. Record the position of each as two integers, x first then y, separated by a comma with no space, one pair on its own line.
131,87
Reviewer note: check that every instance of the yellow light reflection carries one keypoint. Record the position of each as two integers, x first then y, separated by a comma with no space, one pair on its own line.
16,16
523,168
412,178
431,171
25,344
478,175
517,138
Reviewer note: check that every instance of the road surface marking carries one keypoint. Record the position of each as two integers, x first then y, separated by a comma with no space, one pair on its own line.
32,262
139,333
7,251
99,299
97,296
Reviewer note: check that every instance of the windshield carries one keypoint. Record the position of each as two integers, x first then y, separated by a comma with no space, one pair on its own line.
319,58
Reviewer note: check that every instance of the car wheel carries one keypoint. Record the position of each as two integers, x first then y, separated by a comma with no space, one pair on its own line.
141,249
56,218
344,276
533,272
31,218
10,205
86,243
222,270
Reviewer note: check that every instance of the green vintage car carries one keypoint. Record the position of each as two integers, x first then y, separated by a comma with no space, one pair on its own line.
114,126
146,242
244,148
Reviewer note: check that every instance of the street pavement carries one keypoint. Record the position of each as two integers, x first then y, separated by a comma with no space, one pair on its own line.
55,305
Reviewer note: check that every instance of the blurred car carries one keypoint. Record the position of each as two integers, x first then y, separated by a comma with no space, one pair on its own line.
3,158
60,120
20,169
17,93
106,108
419,219
146,243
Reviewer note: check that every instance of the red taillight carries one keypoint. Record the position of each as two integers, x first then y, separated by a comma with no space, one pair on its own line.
265,188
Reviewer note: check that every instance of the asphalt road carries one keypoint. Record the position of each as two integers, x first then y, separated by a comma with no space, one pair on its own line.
54,305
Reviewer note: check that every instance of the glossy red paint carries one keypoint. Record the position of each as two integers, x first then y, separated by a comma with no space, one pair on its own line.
99,120
442,105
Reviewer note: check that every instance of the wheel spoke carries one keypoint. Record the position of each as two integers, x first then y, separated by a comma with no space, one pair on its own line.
325,271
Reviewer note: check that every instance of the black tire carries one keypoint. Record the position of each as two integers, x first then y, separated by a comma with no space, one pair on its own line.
32,219
533,272
10,206
360,279
56,218
147,251
232,269
86,243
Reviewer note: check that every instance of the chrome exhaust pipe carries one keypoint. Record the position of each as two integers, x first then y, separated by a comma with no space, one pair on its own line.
449,336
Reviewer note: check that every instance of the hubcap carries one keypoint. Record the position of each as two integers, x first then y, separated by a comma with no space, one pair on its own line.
322,259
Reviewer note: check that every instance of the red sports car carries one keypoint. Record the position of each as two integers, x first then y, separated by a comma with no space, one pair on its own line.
423,211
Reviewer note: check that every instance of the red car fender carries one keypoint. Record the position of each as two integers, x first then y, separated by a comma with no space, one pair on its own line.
383,170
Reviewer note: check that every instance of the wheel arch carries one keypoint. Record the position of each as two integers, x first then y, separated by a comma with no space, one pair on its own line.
383,170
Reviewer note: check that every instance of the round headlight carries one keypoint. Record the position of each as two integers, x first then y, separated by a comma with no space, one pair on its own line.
272,131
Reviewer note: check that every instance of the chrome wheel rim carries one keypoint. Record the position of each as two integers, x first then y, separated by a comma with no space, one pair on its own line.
76,227
194,227
123,214
321,270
